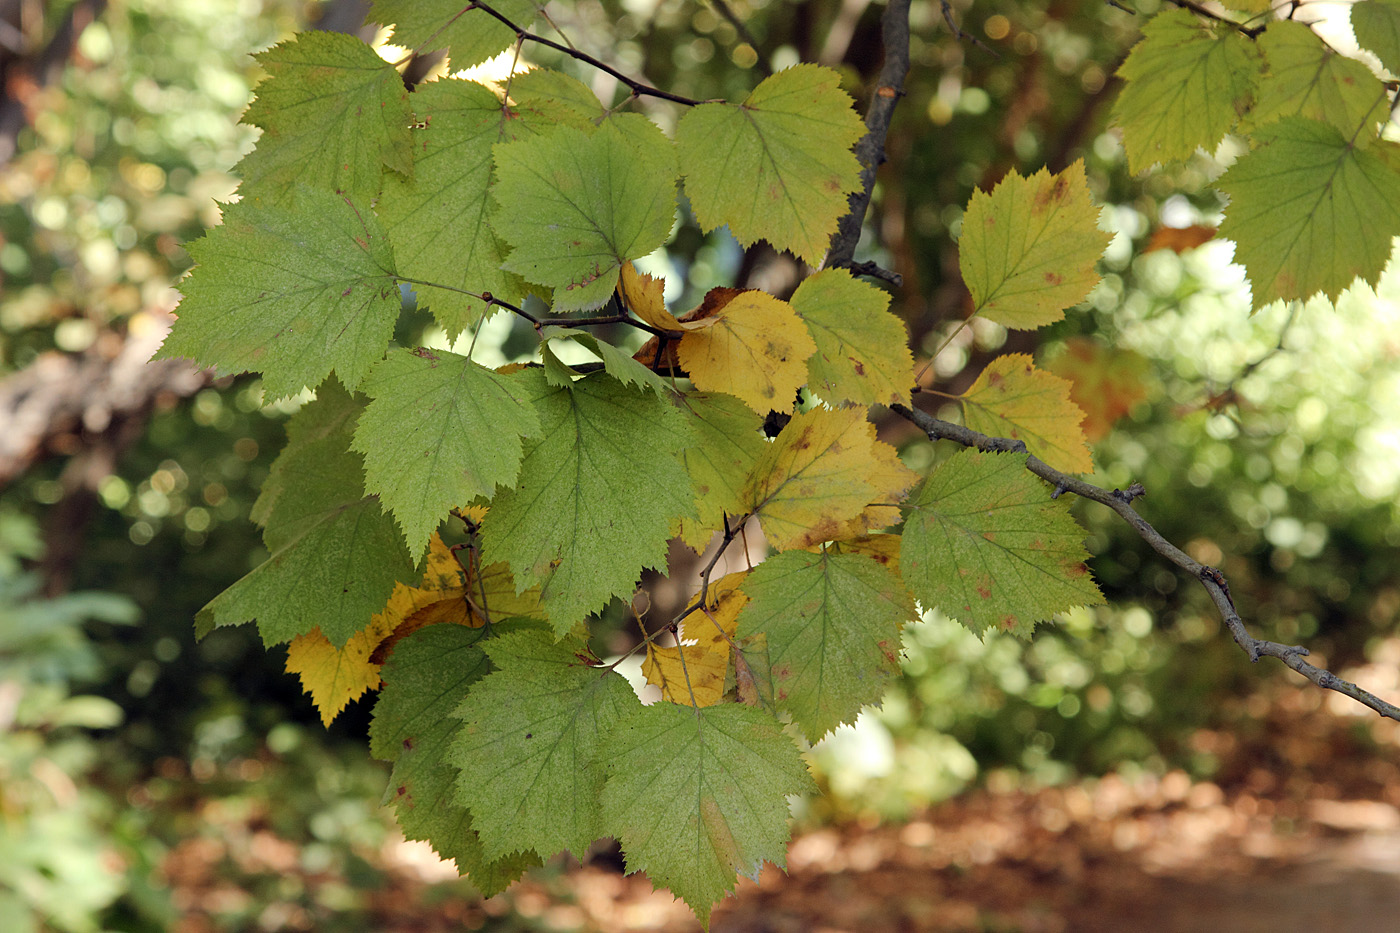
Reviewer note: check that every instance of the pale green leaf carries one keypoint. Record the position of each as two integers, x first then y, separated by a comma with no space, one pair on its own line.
832,624
1310,211
292,295
430,671
531,748
597,492
437,220
984,542
439,431
333,115
471,37
777,167
1306,78
575,205
616,363
698,795
552,97
1377,27
1188,82
862,349
1028,250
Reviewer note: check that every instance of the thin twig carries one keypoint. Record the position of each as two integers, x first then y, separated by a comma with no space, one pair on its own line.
728,13
959,33
638,88
1248,31
1211,578
870,151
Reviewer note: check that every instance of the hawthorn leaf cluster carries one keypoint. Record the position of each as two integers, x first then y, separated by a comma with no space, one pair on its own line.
443,532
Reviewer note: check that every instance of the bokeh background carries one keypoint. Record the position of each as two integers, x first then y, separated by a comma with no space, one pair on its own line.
149,782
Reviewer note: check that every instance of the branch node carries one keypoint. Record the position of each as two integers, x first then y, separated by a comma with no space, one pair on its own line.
1132,492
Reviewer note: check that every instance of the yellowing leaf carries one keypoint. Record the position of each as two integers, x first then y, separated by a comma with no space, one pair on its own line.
815,478
1188,82
728,442
693,672
1029,248
334,678
777,167
1105,383
643,294
862,349
756,350
1308,79
891,479
1011,398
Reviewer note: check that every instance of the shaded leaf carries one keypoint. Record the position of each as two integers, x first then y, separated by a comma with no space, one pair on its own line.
1011,398
698,795
529,744
728,442
777,167
432,670
1029,248
597,493
832,623
1377,27
471,37
984,542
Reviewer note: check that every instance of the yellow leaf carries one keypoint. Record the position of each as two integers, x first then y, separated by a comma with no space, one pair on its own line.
1029,248
693,673
820,475
891,479
643,294
334,678
756,350
1011,398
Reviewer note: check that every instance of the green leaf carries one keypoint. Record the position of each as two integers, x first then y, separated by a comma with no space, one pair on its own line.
1377,27
429,671
1189,81
1028,250
832,622
862,350
597,493
696,795
531,747
728,442
440,431
437,220
1308,79
777,167
336,555
334,576
575,205
292,295
1311,211
552,97
984,542
333,115
471,37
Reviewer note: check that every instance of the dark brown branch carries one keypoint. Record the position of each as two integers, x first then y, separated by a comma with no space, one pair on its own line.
637,88
1211,578
870,151
1249,31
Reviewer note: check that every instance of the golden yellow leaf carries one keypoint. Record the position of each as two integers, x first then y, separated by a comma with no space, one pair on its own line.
1011,398
693,673
820,476
891,479
756,350
643,294
335,677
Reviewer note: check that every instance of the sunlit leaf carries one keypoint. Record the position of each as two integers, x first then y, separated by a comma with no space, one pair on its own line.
757,350
693,672
1011,398
1308,79
470,36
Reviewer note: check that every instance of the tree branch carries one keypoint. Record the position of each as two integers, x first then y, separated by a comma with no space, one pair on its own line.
1120,501
637,88
870,150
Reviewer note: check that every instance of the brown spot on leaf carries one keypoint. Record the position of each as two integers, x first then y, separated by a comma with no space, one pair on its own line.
1054,278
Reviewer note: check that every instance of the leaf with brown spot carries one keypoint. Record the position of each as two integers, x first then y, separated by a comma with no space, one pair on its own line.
756,350
693,672
1011,398
862,349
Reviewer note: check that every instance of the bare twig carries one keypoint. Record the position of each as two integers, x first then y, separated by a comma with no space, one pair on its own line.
1211,578
638,88
870,151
